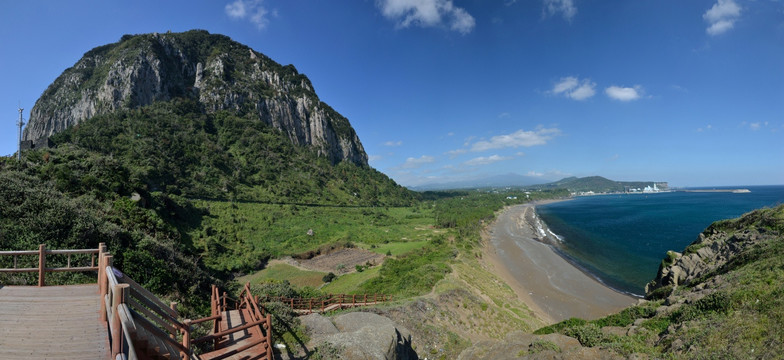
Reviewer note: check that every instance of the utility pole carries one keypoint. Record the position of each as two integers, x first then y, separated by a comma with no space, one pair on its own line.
20,123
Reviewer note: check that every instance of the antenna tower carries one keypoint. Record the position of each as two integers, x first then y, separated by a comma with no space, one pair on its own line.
20,123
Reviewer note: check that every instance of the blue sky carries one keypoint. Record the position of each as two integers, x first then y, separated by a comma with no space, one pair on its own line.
690,92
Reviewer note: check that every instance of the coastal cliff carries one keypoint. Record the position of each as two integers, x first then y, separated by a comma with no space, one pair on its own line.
219,73
720,298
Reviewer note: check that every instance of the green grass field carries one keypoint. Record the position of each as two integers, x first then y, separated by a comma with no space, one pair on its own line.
238,235
350,283
395,248
279,272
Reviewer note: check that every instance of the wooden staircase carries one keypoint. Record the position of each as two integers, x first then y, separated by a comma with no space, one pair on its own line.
131,323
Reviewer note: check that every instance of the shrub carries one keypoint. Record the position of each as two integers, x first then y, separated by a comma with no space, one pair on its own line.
568,323
329,277
588,335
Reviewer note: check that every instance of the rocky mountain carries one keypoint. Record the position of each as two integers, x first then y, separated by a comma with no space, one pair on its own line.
218,72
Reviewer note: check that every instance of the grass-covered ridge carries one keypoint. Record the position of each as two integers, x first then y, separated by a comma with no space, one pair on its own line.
735,311
174,148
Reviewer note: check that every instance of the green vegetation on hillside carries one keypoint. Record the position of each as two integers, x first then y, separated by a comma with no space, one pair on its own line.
736,311
174,148
69,198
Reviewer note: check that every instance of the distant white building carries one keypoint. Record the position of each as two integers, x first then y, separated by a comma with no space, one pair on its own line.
649,189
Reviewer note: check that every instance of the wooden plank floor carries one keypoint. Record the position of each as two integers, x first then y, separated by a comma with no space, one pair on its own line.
52,322
236,340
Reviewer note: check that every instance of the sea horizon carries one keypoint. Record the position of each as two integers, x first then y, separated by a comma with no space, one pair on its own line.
620,239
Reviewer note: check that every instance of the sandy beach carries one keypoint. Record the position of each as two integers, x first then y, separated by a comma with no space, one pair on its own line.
551,286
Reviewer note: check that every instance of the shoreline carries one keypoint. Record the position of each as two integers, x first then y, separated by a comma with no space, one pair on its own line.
553,287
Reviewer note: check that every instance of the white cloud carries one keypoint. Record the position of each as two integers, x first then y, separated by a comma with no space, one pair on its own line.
413,163
755,126
721,17
482,160
517,139
450,134
504,115
427,13
706,128
574,88
565,7
374,157
393,143
534,173
236,9
253,10
624,93
454,153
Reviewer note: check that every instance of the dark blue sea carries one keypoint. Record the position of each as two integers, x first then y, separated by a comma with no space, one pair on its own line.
621,239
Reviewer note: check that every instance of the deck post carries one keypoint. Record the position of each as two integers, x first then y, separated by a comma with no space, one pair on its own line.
41,265
173,306
186,339
269,336
102,280
119,295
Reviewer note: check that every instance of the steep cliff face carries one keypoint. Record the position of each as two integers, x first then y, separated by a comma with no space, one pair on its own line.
222,74
719,247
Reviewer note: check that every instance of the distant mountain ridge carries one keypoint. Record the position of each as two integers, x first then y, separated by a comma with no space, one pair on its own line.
214,70
598,184
503,180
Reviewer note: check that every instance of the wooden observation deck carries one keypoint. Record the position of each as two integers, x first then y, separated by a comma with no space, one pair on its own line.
116,318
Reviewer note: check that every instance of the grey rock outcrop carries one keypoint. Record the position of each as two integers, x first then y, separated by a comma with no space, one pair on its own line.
359,335
220,73
712,250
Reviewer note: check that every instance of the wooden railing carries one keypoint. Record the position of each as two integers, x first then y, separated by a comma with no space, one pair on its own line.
140,324
329,302
42,269
254,314
134,313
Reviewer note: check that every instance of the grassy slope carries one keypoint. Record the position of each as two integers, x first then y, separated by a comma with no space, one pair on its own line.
742,315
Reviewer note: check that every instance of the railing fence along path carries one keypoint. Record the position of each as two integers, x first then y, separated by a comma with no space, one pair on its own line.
331,302
141,326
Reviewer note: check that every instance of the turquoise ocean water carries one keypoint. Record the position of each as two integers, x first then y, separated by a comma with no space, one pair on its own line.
621,239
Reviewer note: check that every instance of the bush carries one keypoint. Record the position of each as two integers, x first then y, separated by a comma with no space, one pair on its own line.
329,277
588,335
568,323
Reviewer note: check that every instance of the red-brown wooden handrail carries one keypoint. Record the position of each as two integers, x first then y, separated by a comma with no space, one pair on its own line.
322,303
42,269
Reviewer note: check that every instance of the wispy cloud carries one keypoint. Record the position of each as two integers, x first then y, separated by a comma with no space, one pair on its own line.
534,173
721,17
454,153
574,88
393,143
708,127
413,163
519,138
624,93
482,160
374,157
253,10
427,13
564,7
